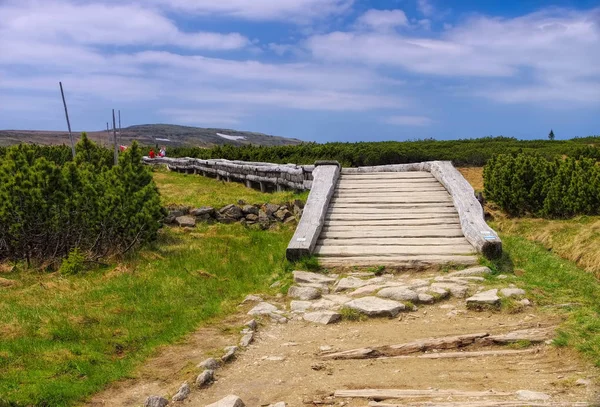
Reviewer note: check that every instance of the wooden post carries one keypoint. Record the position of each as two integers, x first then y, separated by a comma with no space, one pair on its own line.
67,116
115,138
120,136
108,132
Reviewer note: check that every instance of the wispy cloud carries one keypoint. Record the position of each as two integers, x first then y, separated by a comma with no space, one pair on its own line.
408,120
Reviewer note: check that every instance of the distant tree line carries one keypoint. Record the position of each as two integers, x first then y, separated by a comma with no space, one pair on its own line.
53,207
529,184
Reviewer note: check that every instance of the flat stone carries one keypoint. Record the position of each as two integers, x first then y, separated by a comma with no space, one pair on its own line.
204,210
525,302
252,324
457,290
156,401
323,317
247,339
489,297
232,212
322,287
229,401
273,358
323,304
398,294
337,298
270,209
347,283
278,404
300,306
263,308
426,298
186,221
209,364
417,283
250,209
252,298
229,353
182,393
512,292
373,306
365,290
304,293
308,277
280,319
246,331
529,395
472,271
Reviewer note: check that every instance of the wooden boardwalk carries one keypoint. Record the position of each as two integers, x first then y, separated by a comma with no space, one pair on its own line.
400,219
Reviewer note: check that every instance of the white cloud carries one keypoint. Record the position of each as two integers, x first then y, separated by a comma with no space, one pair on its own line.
408,120
297,11
555,50
382,20
425,7
104,24
204,117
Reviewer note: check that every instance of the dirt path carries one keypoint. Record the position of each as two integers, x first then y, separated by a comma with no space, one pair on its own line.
284,362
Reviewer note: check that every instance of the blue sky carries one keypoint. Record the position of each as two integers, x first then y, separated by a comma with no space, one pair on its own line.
317,70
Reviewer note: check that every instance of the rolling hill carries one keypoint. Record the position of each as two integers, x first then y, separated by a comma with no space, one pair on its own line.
152,134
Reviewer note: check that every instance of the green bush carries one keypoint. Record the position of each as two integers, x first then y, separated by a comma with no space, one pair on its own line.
49,208
74,263
523,184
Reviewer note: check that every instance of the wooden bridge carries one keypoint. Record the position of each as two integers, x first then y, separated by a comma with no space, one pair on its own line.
405,216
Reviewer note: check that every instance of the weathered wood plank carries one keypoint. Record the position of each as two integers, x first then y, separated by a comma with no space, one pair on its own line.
399,205
352,232
397,183
533,335
446,217
416,187
422,211
483,403
384,394
386,241
371,223
467,355
392,250
399,262
303,242
396,199
388,175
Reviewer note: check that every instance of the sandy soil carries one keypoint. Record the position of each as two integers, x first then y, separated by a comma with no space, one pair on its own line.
283,364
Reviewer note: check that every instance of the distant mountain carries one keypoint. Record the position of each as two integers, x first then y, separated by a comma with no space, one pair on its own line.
152,134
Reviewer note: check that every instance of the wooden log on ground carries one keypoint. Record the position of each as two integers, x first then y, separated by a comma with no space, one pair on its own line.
384,394
533,335
483,403
309,228
467,355
421,345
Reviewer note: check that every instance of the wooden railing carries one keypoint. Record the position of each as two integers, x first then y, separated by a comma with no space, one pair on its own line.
266,176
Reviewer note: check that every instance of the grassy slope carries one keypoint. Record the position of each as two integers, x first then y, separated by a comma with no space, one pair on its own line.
195,190
65,337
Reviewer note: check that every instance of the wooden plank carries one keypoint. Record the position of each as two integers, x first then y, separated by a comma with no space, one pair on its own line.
399,262
468,355
421,198
391,250
407,348
484,403
440,218
394,188
387,241
396,183
307,232
373,223
388,175
384,394
533,335
353,233
368,209
400,205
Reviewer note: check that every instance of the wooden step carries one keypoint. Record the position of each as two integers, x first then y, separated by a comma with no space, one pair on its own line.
395,241
387,175
392,188
398,205
400,211
415,198
351,232
361,183
391,250
404,262
451,217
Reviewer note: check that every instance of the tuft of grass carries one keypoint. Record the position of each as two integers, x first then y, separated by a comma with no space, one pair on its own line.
511,305
196,190
550,280
350,314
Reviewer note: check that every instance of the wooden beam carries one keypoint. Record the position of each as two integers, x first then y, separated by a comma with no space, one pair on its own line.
383,394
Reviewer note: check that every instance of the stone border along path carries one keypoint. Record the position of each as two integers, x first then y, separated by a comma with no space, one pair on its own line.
324,298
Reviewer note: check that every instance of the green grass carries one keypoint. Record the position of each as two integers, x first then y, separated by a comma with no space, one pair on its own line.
65,337
196,190
550,281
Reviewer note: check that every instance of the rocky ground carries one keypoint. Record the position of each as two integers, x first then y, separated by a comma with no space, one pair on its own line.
463,338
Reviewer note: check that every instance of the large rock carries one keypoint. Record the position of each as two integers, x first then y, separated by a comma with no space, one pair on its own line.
304,293
512,292
232,212
308,277
156,401
399,294
365,290
457,290
300,306
186,221
229,401
247,339
323,288
473,271
282,214
270,209
251,217
323,317
263,308
263,220
203,211
209,364
205,378
182,393
324,304
426,298
375,307
489,297
250,209
347,283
